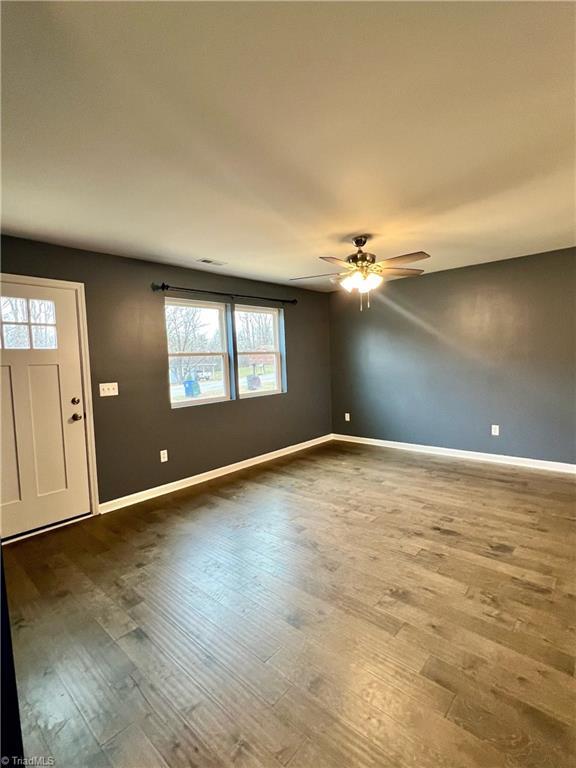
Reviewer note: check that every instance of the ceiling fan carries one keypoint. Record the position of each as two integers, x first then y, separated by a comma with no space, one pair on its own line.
363,273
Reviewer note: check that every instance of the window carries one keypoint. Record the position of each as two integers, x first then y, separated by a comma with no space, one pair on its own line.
198,360
258,346
28,323
200,367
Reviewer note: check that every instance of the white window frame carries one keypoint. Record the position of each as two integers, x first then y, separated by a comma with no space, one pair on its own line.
277,351
224,355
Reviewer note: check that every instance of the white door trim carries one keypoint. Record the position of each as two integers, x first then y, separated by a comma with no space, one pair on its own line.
80,297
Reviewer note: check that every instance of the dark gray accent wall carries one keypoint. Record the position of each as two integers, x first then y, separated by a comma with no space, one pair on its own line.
436,360
127,344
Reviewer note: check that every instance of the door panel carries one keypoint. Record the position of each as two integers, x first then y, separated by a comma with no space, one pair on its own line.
10,483
47,420
44,456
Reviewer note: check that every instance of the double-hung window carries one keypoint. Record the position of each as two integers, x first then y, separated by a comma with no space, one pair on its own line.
203,364
259,358
198,359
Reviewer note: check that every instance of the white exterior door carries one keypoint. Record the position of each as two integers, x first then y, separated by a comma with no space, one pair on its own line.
43,426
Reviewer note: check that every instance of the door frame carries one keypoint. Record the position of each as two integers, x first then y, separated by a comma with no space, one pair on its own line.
80,297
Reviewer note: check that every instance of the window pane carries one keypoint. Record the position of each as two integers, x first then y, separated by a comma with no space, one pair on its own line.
255,331
193,328
42,311
257,373
14,310
196,378
44,337
16,336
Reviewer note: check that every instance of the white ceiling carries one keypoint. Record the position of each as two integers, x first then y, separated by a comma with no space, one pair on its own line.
261,134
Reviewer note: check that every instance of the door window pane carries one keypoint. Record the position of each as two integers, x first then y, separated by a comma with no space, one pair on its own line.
193,328
195,377
14,310
44,337
16,336
42,311
21,318
258,373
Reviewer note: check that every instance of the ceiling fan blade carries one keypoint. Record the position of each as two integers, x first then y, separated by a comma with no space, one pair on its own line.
334,260
398,272
406,258
312,277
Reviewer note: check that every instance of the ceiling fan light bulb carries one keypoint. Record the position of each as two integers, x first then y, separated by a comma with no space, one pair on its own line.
347,283
369,282
350,282
373,281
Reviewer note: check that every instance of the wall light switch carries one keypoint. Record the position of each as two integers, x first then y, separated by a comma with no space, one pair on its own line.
163,456
495,430
346,417
109,390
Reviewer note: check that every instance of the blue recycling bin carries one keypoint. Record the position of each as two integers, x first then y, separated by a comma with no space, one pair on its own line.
191,388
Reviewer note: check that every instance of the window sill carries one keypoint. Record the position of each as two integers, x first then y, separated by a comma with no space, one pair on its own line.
205,401
249,395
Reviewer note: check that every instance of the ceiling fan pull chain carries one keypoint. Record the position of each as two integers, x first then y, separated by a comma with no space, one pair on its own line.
368,299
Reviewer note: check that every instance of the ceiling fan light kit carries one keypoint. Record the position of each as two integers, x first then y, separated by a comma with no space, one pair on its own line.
364,274
361,283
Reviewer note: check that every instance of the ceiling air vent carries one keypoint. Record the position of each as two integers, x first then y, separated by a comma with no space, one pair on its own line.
213,262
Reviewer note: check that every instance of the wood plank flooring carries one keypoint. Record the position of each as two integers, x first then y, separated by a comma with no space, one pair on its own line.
346,607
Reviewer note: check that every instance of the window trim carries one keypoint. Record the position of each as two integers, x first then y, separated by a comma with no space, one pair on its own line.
278,351
230,353
225,355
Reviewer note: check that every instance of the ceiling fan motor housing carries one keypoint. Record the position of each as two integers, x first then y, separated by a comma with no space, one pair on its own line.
361,258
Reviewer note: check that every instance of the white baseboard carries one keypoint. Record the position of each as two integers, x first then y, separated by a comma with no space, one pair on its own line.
493,458
186,482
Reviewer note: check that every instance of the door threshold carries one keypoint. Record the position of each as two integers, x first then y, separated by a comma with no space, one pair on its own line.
45,528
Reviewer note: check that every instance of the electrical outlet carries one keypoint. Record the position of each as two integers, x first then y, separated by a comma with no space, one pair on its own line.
163,455
109,390
495,430
346,417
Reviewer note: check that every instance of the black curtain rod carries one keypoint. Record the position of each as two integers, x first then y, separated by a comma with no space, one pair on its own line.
228,294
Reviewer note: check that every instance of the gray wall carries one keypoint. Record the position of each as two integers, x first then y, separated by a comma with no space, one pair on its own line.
435,361
128,345
438,359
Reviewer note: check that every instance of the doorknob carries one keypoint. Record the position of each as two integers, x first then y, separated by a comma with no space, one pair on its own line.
76,417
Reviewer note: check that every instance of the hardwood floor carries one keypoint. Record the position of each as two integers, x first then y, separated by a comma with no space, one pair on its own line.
347,607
